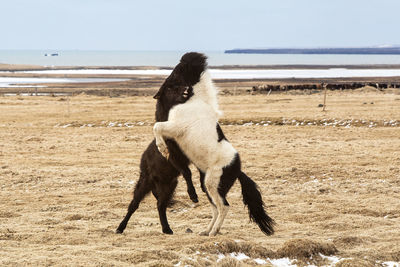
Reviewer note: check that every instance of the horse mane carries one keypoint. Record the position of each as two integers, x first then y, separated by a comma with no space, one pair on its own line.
195,72
191,66
191,71
207,91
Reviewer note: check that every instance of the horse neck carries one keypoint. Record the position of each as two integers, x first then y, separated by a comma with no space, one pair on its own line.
162,110
207,92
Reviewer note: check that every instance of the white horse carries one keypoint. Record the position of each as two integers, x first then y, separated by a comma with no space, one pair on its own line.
194,126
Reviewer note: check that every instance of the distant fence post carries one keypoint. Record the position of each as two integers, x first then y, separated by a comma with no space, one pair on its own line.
324,85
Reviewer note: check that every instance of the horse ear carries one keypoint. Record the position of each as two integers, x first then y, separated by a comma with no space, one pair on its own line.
158,95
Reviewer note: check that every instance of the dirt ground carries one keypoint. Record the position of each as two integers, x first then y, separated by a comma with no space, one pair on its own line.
331,181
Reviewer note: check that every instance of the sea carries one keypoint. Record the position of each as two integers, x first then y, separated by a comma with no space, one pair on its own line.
171,58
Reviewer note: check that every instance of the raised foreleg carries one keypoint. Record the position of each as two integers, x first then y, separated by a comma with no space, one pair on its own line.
165,129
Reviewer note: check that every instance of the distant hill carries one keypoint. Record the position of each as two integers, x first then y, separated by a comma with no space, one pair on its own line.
348,51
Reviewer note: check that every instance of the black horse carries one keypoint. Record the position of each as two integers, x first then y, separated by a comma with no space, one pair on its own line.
158,174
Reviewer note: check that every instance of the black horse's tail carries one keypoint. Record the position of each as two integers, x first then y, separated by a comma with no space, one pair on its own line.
253,200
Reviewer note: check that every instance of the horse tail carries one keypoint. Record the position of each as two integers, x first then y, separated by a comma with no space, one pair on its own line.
253,200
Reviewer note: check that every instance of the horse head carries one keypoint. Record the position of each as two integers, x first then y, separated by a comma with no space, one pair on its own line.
181,80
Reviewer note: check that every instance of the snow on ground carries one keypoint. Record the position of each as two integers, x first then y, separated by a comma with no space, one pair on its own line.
246,73
286,262
22,81
391,264
16,81
292,122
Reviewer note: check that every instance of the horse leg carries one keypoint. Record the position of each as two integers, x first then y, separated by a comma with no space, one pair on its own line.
212,222
163,193
180,162
202,176
166,129
213,207
169,130
187,175
212,181
142,188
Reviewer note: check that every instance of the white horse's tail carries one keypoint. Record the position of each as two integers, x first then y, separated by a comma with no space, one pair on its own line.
253,200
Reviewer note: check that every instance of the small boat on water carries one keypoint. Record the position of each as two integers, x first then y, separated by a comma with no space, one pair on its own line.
51,55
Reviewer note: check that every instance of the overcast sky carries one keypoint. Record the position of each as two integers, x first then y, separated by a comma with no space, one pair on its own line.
196,25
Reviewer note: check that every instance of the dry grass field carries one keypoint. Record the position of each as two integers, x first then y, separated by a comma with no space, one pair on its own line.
331,180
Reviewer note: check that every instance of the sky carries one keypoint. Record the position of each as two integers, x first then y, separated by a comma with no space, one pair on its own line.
205,25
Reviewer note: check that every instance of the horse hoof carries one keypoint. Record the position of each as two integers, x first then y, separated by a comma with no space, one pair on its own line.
205,233
118,231
195,200
212,234
168,232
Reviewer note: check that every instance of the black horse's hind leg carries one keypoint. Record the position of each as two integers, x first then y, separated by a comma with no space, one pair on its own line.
163,192
142,188
202,176
181,162
187,174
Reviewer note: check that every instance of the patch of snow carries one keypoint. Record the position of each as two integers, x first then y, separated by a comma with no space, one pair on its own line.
260,261
246,73
391,264
283,262
239,256
333,259
220,257
22,81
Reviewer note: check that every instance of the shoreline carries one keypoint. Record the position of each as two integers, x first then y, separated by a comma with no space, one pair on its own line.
148,87
23,67
137,85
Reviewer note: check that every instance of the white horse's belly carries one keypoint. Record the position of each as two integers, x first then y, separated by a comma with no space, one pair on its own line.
206,155
199,137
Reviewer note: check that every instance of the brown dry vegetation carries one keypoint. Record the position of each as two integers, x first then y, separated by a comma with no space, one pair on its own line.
331,190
